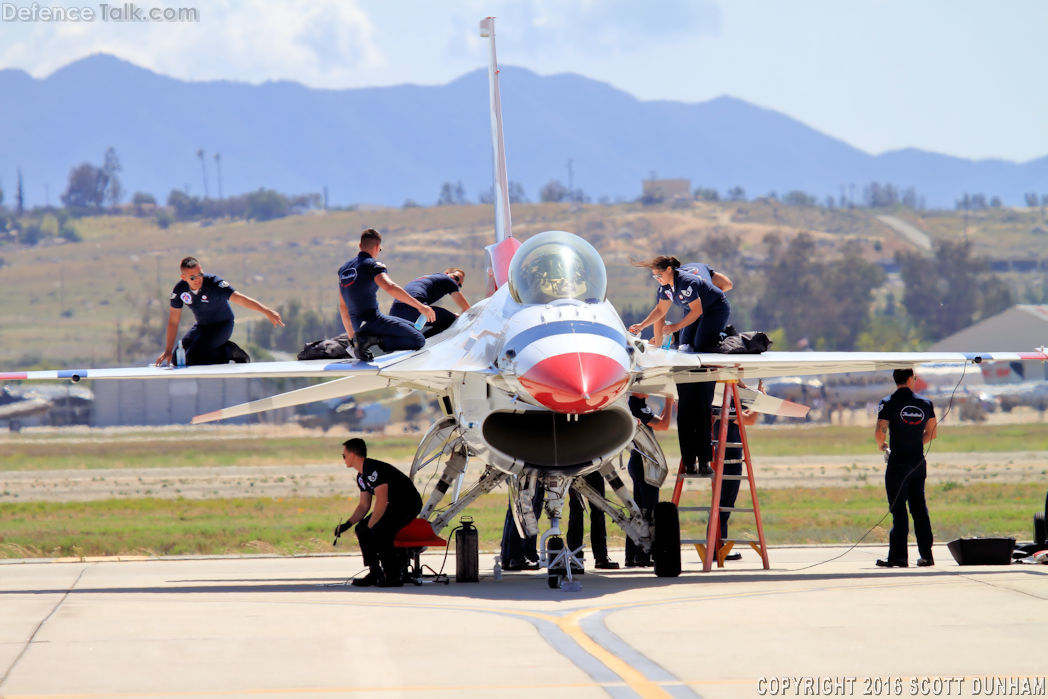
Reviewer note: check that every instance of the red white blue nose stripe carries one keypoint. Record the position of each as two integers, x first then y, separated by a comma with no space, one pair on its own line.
571,366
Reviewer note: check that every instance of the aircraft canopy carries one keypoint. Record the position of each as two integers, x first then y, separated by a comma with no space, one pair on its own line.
557,265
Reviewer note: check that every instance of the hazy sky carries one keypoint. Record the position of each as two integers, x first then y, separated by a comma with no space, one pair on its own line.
959,77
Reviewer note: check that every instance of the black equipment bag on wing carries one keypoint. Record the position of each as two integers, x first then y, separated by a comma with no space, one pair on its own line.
333,348
753,342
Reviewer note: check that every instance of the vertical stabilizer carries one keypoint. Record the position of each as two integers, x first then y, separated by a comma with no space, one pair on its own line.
503,224
505,245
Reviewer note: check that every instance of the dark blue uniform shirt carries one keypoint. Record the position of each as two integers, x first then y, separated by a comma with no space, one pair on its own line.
210,304
356,282
431,288
687,288
401,490
699,269
907,414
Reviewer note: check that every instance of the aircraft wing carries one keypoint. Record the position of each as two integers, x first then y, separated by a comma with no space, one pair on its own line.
431,369
24,408
659,370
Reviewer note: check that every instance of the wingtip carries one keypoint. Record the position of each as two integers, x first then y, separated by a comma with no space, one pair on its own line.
207,417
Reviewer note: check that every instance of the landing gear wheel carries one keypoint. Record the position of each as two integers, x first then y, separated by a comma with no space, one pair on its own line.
1046,506
553,547
665,549
1039,533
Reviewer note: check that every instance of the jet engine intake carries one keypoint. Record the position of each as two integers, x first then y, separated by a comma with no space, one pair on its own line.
557,441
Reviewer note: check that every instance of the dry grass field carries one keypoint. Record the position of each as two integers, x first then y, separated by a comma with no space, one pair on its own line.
67,303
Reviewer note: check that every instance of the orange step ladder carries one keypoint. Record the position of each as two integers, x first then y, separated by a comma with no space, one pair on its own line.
713,541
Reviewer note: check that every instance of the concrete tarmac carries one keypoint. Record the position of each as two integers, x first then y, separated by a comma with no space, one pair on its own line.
289,627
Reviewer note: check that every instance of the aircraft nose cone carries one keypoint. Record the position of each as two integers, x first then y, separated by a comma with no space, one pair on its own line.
576,382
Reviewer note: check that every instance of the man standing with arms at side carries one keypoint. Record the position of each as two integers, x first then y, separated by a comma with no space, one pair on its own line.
208,296
396,502
359,280
909,421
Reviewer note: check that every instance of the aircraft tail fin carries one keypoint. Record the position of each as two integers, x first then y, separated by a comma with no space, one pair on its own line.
505,245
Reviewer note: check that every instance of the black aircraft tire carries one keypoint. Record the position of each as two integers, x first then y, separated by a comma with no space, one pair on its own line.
1039,533
553,581
665,549
1046,506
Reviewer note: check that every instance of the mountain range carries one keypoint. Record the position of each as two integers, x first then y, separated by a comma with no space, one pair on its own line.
387,145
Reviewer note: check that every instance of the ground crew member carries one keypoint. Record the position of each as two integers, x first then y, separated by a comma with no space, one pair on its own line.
907,421
428,290
707,314
396,502
521,553
208,296
359,280
644,494
699,269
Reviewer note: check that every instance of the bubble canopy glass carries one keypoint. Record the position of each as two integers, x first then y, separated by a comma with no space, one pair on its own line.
557,265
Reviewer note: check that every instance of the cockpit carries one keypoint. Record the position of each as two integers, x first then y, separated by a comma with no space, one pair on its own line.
557,265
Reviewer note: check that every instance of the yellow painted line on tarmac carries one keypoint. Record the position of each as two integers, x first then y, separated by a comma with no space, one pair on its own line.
635,680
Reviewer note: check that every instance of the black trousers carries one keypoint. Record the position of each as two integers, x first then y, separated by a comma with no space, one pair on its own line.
598,528
393,333
206,344
376,543
694,411
694,415
704,334
443,321
645,495
514,548
904,484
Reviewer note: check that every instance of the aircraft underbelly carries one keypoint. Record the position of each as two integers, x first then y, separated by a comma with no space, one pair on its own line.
554,441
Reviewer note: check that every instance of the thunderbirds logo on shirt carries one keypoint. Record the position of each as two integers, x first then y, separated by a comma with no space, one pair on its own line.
223,284
373,477
186,297
686,292
912,415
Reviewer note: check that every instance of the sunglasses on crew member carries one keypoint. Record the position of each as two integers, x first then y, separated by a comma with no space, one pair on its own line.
194,277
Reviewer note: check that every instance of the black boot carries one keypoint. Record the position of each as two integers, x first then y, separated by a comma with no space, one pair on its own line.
374,577
237,354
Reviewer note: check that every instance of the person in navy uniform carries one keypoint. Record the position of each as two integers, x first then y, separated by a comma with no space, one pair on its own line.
396,503
707,314
208,296
359,280
905,423
428,290
699,269
644,494
521,553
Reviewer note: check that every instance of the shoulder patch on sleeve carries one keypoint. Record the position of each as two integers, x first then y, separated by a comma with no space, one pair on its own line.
223,284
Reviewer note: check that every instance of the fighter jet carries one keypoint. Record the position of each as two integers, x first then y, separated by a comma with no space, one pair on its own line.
533,380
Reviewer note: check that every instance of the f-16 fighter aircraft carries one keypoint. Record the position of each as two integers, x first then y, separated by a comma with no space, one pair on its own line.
533,383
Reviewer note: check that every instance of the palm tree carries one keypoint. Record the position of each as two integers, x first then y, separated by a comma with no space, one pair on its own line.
218,166
203,169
